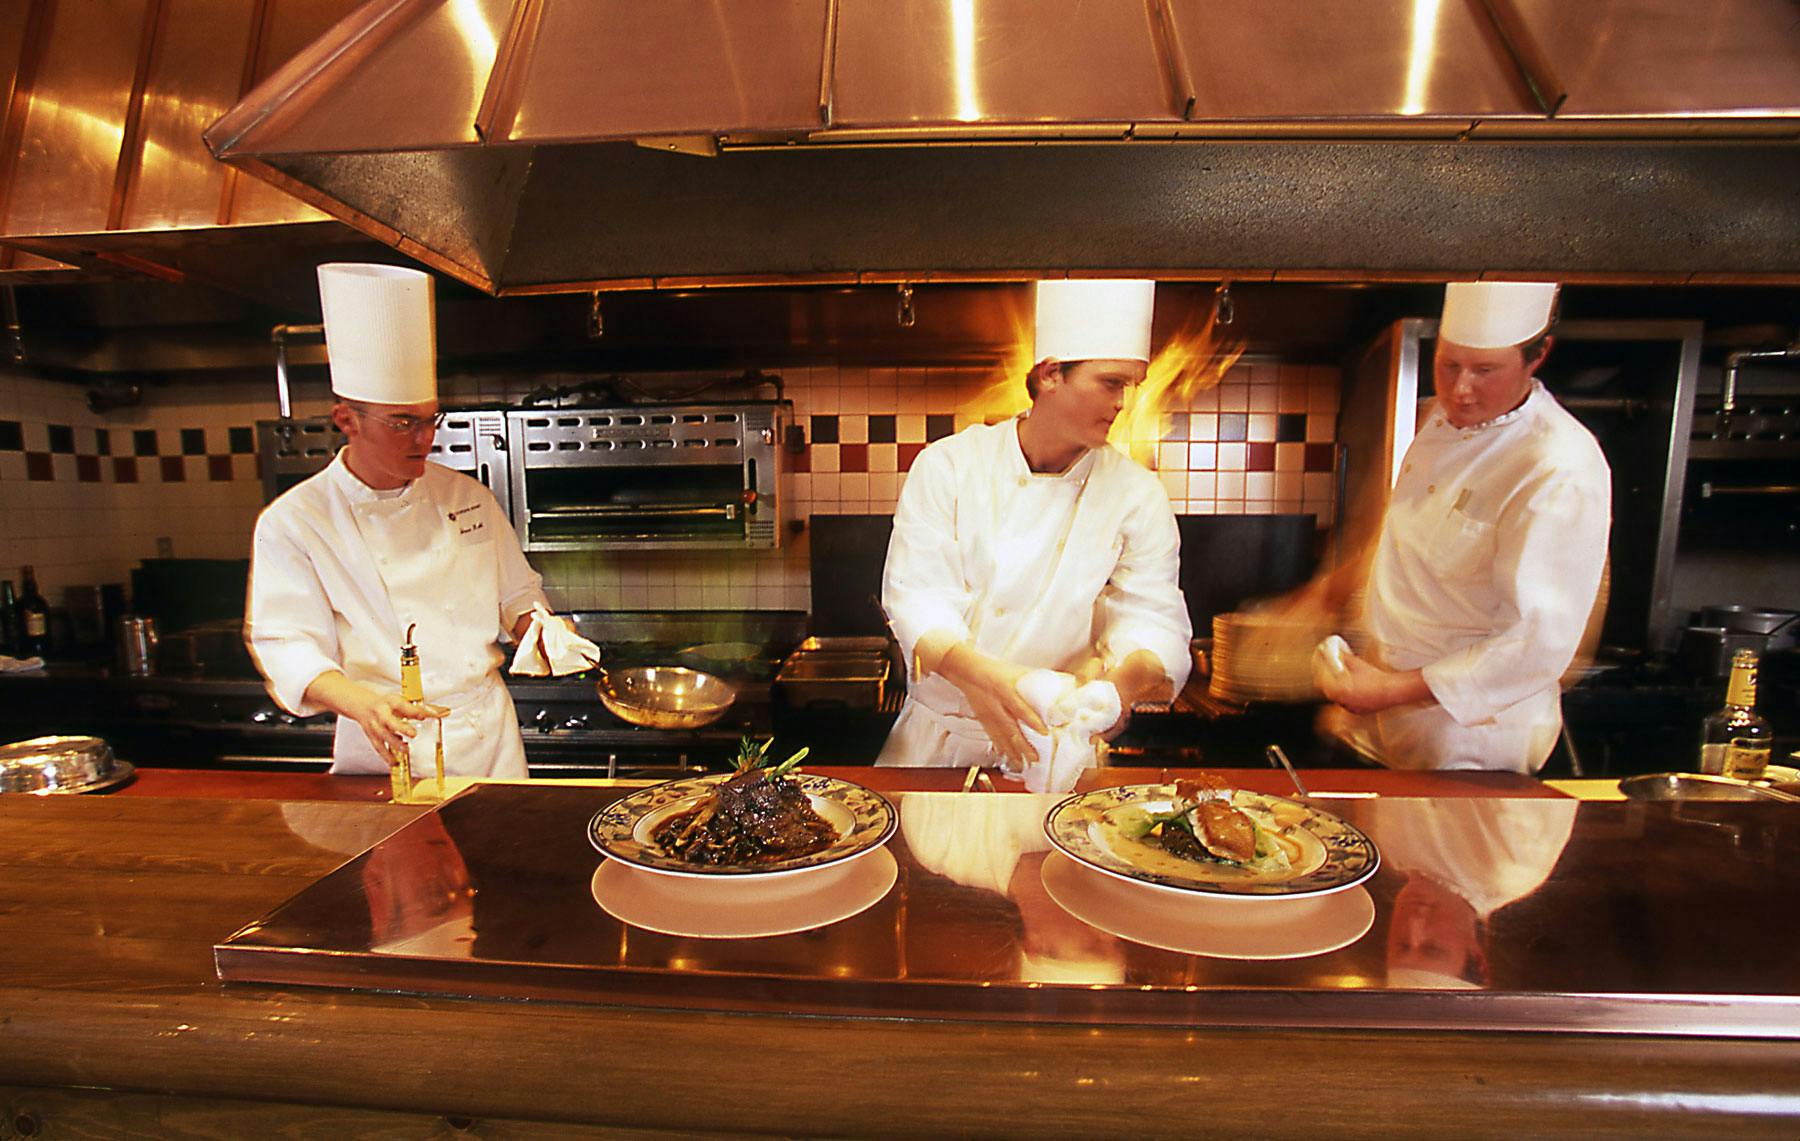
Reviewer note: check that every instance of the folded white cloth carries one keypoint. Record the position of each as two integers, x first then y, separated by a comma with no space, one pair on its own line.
1328,660
551,646
1075,715
19,665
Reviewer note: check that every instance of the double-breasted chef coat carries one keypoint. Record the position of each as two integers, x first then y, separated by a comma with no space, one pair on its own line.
1487,568
1041,570
341,570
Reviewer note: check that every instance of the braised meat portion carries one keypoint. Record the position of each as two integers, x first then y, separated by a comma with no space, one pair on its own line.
753,818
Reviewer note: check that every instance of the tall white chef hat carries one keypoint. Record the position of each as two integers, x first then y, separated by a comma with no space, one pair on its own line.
1094,320
380,332
1496,314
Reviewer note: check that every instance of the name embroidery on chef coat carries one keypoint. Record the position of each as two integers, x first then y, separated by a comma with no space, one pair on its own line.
469,528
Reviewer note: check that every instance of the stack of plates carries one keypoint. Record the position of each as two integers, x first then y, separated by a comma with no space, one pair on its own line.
1263,657
60,764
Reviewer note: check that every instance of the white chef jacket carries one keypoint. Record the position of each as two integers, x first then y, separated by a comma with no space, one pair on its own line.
1488,565
1040,570
341,570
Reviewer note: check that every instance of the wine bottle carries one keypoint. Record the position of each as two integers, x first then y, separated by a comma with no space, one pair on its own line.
34,617
9,618
1735,741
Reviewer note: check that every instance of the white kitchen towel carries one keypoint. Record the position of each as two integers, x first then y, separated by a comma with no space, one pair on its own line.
1328,660
1075,715
551,647
19,665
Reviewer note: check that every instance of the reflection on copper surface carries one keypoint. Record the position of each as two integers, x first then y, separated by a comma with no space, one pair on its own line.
962,52
1420,55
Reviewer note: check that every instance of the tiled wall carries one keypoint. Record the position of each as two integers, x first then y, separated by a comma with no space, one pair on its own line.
84,495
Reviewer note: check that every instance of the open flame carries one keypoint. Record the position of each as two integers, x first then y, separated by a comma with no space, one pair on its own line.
1195,358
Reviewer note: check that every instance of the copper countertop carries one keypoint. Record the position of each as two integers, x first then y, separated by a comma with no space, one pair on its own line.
1495,912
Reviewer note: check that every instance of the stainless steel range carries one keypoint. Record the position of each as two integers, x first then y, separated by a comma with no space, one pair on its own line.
196,720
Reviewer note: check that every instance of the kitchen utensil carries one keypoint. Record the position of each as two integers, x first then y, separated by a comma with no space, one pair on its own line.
137,645
46,765
1779,625
1263,656
852,679
1697,786
665,697
1279,759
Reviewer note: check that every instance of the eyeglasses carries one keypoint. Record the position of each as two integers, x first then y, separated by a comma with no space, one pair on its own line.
405,425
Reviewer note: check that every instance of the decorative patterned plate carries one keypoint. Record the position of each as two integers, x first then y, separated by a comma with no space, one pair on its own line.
864,820
1326,854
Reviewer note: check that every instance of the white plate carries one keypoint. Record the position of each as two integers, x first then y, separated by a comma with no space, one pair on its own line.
864,820
732,909
1214,927
1328,853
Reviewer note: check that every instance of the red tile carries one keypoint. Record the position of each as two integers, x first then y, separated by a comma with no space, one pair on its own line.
125,469
172,469
38,466
853,457
801,460
87,469
909,453
1259,457
1319,457
218,468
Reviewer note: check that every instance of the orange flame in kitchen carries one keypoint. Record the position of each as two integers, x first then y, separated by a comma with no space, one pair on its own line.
1195,358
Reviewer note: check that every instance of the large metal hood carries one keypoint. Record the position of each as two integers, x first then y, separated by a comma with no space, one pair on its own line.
556,145
103,174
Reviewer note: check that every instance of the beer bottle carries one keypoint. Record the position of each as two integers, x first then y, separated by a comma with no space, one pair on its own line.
1735,742
34,617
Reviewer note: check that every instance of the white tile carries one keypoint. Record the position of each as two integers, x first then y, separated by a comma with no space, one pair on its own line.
1259,485
1202,485
1202,457
1262,427
853,429
1231,457
884,458
1231,485
853,400
824,459
1174,482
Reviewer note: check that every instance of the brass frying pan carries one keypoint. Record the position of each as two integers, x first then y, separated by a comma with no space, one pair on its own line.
664,697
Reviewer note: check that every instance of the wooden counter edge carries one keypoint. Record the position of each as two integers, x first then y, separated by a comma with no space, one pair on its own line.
869,1077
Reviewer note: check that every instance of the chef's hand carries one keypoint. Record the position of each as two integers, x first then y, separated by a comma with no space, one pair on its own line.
992,686
1139,677
1366,688
384,715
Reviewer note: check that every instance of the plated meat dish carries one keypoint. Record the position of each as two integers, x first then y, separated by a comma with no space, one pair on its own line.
758,816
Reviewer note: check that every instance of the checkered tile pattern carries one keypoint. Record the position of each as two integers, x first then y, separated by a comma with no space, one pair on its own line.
59,452
1261,442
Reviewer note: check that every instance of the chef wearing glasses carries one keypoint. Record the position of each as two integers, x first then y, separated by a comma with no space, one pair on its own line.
382,541
1033,545
1490,558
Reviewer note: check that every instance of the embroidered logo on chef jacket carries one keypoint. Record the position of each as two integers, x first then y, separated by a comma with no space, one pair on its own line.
467,523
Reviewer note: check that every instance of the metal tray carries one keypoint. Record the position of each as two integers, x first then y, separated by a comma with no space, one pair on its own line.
853,680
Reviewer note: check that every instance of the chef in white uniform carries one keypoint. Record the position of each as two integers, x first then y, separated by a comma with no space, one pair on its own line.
1032,544
1490,555
382,540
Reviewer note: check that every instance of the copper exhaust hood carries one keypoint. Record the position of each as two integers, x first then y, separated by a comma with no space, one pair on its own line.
547,145
103,174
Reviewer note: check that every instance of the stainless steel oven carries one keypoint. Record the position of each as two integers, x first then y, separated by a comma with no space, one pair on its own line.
472,441
648,477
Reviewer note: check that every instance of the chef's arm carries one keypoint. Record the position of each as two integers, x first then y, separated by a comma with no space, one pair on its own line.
992,686
1367,688
384,715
